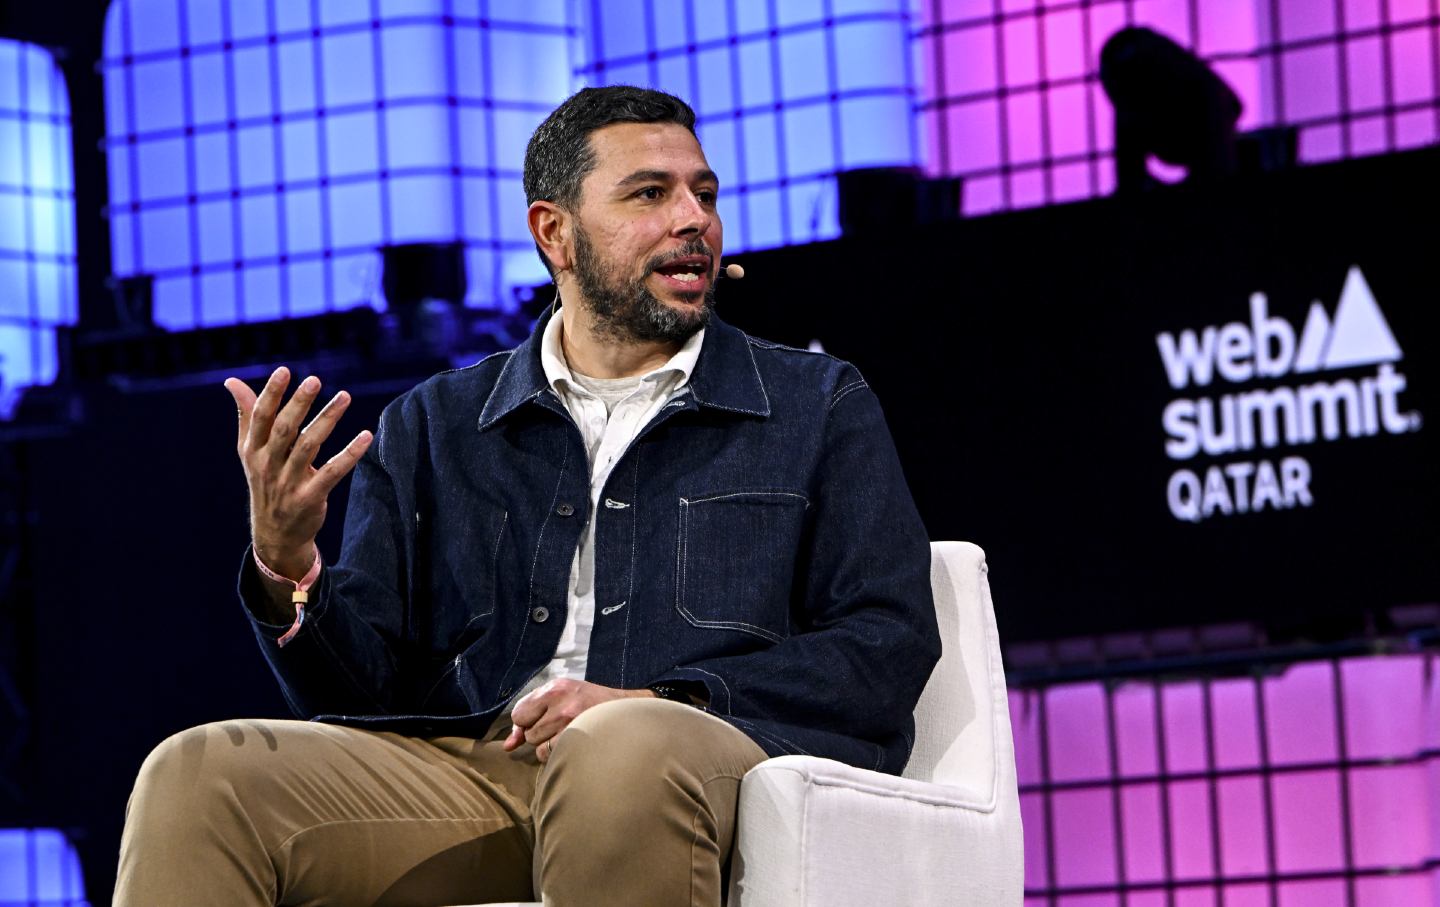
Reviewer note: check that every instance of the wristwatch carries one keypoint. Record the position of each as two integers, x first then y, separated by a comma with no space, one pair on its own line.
673,692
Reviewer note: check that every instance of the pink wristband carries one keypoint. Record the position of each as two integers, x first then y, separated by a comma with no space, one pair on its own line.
301,595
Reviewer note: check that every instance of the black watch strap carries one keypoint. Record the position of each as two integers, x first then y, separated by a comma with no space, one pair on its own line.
673,692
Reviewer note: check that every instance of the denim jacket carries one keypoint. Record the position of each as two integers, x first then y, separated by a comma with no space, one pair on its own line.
757,537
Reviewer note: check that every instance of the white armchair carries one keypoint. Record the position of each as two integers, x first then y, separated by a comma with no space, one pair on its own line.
816,833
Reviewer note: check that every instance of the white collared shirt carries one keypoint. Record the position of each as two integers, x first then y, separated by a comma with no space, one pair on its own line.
608,432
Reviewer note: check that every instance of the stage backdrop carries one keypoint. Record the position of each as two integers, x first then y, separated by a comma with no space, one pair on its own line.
1191,407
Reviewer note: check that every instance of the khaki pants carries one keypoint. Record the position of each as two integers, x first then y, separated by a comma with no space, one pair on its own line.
635,807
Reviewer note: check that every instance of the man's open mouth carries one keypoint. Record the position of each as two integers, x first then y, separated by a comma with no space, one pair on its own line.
686,270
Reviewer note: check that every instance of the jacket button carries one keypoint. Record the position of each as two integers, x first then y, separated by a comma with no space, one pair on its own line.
540,614
565,510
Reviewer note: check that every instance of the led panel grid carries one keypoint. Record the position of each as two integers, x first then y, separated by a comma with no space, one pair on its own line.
1316,785
37,218
39,868
1012,100
787,93
260,153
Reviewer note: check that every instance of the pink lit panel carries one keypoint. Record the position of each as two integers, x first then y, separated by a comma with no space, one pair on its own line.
1204,808
1013,86
1300,715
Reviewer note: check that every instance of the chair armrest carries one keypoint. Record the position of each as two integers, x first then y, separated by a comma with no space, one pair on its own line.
815,832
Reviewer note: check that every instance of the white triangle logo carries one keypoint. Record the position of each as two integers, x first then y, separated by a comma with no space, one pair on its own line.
1312,339
1360,335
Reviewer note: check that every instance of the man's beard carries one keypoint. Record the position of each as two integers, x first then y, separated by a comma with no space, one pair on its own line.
626,310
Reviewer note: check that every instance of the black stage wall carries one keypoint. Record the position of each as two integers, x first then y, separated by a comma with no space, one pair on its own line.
1044,375
1018,360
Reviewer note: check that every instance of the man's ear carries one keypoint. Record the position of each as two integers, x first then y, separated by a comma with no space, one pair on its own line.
550,225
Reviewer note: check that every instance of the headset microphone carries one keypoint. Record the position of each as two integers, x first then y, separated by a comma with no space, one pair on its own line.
732,271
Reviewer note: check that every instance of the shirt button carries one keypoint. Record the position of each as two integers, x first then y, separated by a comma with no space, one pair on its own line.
540,614
565,510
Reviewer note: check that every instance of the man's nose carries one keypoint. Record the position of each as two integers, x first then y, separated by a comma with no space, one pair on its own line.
691,216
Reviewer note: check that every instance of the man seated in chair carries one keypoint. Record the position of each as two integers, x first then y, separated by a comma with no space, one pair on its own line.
585,586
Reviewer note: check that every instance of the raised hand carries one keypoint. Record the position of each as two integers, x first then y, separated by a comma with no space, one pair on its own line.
288,495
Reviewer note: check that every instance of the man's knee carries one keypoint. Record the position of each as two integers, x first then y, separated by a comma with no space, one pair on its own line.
194,768
628,752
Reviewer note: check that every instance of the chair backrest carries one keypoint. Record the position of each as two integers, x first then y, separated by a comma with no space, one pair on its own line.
962,722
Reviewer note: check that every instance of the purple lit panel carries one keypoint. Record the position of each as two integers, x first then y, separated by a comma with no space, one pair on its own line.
1361,14
1390,815
1415,129
1143,836
1308,832
1033,820
1092,900
1022,127
1021,41
1387,891
1300,713
970,61
1183,711
1025,727
1227,28
1084,839
974,136
1311,85
1199,896
1322,893
983,195
1236,724
1169,17
1246,895
1302,19
1412,65
1136,742
1079,745
1382,698
1240,804
1190,833
1067,121
1320,143
1065,56
1365,74
1403,11
1027,188
1369,135
1071,182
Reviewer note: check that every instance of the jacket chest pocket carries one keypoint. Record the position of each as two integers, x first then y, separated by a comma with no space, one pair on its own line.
735,560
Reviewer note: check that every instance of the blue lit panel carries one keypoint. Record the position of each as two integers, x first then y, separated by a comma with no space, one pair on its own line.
39,868
261,153
787,94
37,218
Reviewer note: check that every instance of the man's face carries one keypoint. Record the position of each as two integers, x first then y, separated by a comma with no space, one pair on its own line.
647,233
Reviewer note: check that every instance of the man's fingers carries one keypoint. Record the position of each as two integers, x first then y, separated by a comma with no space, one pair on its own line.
314,434
335,469
286,427
517,737
262,415
244,403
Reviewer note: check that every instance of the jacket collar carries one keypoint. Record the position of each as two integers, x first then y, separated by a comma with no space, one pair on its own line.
725,377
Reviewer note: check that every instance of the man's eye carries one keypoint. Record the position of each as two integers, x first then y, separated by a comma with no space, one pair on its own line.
649,192
706,196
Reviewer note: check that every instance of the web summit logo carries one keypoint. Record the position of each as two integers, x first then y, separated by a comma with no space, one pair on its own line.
1290,414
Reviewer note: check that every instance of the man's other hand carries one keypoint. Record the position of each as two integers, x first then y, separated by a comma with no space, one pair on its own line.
541,715
288,495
